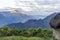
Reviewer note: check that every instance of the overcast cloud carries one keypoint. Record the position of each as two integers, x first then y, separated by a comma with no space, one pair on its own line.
37,7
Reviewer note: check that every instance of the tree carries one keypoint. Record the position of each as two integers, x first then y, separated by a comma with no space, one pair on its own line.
5,31
14,31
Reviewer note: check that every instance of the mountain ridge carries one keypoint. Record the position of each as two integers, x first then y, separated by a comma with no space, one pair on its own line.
7,17
44,23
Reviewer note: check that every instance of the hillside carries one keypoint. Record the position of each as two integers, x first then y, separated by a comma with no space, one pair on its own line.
44,23
6,17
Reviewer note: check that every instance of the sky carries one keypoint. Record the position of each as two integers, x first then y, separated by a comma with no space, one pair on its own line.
6,3
36,7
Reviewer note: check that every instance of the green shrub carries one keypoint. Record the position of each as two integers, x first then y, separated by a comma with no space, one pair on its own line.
31,32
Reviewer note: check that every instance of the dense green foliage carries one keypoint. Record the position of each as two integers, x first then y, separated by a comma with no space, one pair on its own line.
31,32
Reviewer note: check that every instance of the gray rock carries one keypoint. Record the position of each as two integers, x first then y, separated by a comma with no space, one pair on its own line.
55,22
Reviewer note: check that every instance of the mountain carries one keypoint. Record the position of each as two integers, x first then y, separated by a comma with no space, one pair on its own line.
44,23
7,17
1,16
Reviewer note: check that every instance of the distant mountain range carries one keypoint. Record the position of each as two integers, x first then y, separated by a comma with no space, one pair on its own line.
33,23
20,20
7,17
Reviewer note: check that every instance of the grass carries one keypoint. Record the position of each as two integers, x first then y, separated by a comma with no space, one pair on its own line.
20,38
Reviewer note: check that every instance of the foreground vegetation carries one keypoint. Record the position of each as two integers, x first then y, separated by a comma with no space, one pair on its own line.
20,38
7,33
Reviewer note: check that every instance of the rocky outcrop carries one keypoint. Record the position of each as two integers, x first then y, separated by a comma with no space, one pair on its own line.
55,22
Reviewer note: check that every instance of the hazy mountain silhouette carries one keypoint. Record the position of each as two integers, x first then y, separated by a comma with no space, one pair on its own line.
6,17
44,23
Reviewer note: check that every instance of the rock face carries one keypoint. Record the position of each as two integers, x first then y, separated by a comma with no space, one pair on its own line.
55,22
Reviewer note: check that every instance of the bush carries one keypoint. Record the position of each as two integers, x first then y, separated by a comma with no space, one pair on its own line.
31,32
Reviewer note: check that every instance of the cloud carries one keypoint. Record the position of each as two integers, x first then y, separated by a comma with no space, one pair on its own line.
42,6
6,3
39,4
39,7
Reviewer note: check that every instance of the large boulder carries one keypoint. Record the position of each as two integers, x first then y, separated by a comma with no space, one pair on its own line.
55,21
